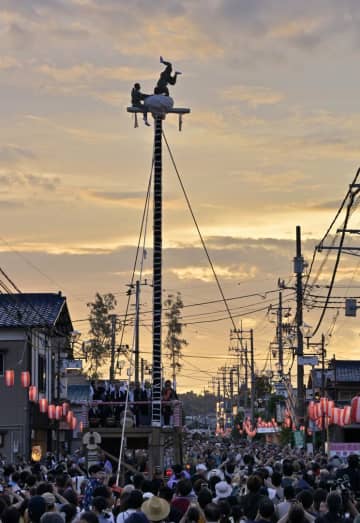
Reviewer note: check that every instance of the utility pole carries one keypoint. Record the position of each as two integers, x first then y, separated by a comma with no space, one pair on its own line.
280,337
231,383
112,318
298,270
246,377
241,351
173,366
142,370
137,332
323,354
252,370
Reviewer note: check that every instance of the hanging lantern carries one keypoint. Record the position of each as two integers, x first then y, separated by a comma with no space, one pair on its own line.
355,409
73,423
9,378
58,412
65,408
51,411
324,405
43,405
69,417
311,410
347,415
336,416
81,426
25,378
33,393
331,406
319,423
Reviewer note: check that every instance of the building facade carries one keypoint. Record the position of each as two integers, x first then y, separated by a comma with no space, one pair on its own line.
35,335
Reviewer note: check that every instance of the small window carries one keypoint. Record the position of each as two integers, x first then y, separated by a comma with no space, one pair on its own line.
2,364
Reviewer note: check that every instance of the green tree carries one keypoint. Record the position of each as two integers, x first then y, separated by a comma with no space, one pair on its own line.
100,331
174,343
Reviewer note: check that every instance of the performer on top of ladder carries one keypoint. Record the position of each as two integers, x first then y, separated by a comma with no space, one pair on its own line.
166,78
137,98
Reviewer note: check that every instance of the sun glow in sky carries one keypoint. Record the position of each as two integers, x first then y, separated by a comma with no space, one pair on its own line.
272,142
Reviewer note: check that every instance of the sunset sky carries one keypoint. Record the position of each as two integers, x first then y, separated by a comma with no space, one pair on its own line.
272,142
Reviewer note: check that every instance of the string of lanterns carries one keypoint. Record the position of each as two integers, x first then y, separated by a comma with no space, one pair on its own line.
252,431
54,412
324,413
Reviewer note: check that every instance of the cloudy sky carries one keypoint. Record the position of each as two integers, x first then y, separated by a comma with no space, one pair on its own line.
271,143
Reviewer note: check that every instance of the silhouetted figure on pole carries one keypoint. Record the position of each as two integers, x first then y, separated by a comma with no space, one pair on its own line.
166,78
137,99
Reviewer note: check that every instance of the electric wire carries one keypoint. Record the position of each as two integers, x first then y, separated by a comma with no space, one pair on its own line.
338,256
200,234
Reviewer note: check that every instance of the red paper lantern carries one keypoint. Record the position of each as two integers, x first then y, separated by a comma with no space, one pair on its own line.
58,412
69,416
331,406
9,378
355,409
32,393
318,410
25,378
65,408
324,405
73,423
347,415
43,405
311,410
51,411
336,416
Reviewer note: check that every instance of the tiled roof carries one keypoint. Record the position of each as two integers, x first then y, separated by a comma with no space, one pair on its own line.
347,370
77,393
30,310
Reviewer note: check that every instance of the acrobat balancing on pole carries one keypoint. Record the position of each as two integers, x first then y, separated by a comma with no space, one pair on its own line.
160,103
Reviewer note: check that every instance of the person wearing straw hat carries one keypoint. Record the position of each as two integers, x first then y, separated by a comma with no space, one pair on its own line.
156,509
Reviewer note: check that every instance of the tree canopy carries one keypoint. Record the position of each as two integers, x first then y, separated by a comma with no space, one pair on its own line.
100,331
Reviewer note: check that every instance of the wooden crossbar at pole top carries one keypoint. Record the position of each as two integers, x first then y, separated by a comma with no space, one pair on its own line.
174,110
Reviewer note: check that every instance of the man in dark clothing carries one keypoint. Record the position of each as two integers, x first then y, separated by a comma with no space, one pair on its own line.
166,78
175,514
266,511
137,98
168,394
353,472
334,505
251,501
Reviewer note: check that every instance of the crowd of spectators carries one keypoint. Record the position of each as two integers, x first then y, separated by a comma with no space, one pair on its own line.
220,483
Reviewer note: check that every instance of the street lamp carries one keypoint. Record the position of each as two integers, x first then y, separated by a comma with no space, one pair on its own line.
307,332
